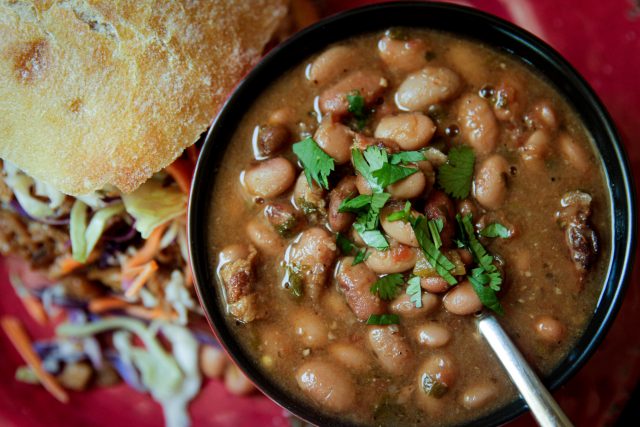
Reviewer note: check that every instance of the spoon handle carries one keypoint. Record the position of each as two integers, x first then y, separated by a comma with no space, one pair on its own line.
544,408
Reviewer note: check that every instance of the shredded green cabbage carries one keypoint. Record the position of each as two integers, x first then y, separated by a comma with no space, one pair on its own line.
172,381
152,204
85,237
21,185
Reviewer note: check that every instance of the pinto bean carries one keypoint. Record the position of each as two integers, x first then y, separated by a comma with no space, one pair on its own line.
477,396
309,328
573,153
398,230
282,218
440,206
269,178
350,355
469,61
490,182
396,259
341,221
265,238
478,124
408,188
391,349
355,281
434,284
272,138
549,330
370,84
542,116
313,255
403,306
411,131
309,198
437,368
467,206
284,116
327,384
508,99
332,63
432,334
430,85
403,55
462,300
335,139
537,146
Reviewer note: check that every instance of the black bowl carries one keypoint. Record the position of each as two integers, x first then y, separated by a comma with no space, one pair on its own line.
468,23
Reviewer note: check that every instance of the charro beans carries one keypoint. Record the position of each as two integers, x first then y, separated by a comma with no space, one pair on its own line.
462,300
269,178
490,182
411,131
332,63
327,384
391,348
429,86
403,55
478,125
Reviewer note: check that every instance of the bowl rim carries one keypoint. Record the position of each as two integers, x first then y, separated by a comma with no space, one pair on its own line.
615,168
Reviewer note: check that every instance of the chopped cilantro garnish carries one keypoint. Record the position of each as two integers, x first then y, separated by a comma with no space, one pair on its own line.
383,319
373,238
405,157
356,204
317,164
387,287
358,109
373,164
415,291
496,230
348,248
455,176
435,227
403,215
361,256
486,278
432,254
294,281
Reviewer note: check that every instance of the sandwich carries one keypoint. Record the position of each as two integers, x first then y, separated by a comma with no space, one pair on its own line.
101,106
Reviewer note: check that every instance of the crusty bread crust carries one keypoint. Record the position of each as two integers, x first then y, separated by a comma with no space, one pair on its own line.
105,92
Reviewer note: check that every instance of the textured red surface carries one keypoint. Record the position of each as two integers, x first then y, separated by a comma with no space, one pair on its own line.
602,40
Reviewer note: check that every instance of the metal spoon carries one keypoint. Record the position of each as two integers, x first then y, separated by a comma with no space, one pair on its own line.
544,408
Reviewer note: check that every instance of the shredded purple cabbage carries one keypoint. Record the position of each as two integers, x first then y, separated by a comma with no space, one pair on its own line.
92,349
127,371
64,220
204,337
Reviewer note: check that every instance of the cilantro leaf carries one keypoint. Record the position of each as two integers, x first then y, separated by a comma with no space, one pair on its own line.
403,215
405,157
415,291
356,204
441,263
496,230
383,319
386,287
435,227
373,238
389,174
455,176
361,256
486,278
361,165
345,245
376,157
378,200
317,164
357,108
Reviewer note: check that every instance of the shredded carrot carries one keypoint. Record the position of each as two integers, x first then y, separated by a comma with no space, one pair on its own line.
304,13
100,305
68,264
31,304
141,279
182,172
20,340
148,313
147,252
35,309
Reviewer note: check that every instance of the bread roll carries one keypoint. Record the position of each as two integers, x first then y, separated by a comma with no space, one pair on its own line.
98,93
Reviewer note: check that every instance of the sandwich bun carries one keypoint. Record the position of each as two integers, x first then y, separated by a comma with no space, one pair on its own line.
101,93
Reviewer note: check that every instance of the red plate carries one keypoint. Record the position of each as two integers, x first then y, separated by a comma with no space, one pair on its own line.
602,40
